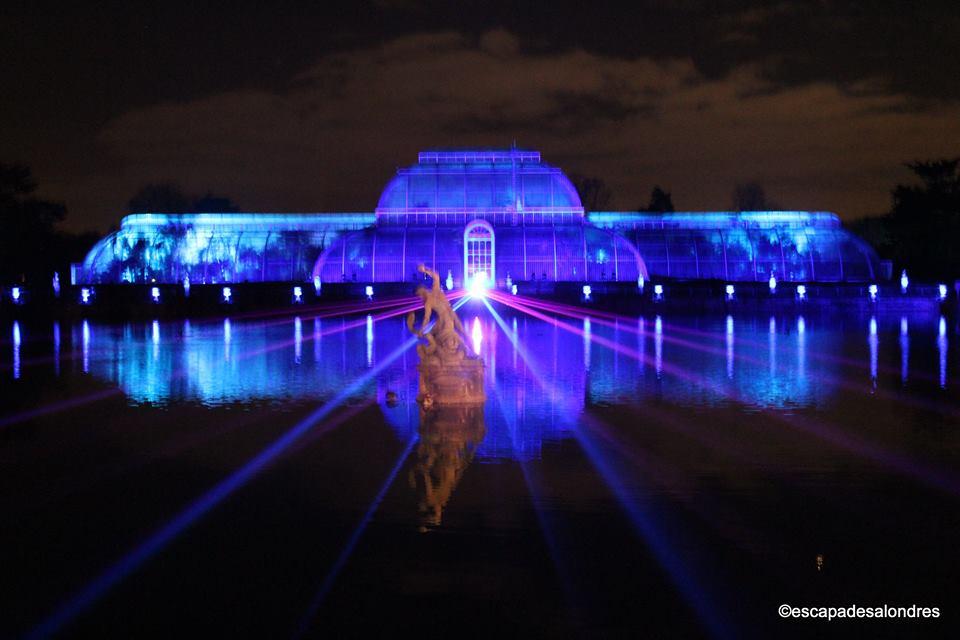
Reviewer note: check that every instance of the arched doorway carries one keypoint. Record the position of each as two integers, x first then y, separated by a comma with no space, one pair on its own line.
479,253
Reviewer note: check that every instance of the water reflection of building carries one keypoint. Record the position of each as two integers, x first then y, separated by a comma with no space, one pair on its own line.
788,363
449,438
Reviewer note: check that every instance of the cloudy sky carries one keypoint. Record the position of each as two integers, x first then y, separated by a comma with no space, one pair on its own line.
311,107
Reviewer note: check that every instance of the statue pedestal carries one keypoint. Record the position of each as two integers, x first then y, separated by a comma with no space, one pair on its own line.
452,383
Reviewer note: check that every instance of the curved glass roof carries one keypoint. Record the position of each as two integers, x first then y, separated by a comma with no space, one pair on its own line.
479,181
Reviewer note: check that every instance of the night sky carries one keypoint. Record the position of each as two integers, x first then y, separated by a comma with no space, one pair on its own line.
310,107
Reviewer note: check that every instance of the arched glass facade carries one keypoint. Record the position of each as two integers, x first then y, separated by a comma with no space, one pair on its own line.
533,227
215,247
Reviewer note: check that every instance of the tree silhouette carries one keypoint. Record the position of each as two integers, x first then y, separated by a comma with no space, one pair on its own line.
750,196
660,201
924,220
595,195
211,203
159,198
28,226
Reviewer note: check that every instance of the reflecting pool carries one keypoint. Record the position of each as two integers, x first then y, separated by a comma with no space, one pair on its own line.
655,475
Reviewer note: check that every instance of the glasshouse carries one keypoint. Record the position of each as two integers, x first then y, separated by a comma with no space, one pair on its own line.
489,214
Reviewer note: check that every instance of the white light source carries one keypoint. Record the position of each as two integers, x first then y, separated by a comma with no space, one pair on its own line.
298,294
316,284
640,283
942,290
513,289
186,286
84,295
368,290
587,291
478,285
155,293
872,290
227,294
509,283
773,283
15,294
56,284
449,282
730,291
904,281
802,291
658,292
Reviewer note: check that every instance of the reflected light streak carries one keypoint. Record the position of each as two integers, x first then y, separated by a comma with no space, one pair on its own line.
874,348
730,347
56,348
297,340
86,346
155,338
227,332
16,350
476,335
801,348
658,345
904,350
942,350
369,335
586,343
773,346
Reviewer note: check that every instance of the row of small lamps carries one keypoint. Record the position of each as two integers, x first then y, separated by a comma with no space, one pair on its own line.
226,293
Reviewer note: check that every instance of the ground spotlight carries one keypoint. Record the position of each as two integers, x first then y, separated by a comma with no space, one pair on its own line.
368,291
802,291
227,295
56,284
86,294
587,291
316,284
16,295
872,290
640,283
155,294
772,283
513,289
942,291
904,281
658,292
186,286
730,290
297,295
449,281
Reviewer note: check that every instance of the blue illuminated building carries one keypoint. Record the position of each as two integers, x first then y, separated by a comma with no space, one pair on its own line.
495,214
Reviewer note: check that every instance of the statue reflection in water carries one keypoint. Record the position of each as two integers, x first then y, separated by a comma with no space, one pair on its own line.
449,437
451,398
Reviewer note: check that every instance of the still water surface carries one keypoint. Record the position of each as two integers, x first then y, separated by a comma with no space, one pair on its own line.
626,476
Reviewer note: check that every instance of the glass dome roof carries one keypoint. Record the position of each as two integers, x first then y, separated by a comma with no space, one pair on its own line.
480,181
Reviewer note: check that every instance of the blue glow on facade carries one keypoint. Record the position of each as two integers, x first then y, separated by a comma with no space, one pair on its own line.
539,231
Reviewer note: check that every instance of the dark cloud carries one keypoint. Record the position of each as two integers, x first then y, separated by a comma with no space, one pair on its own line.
289,106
